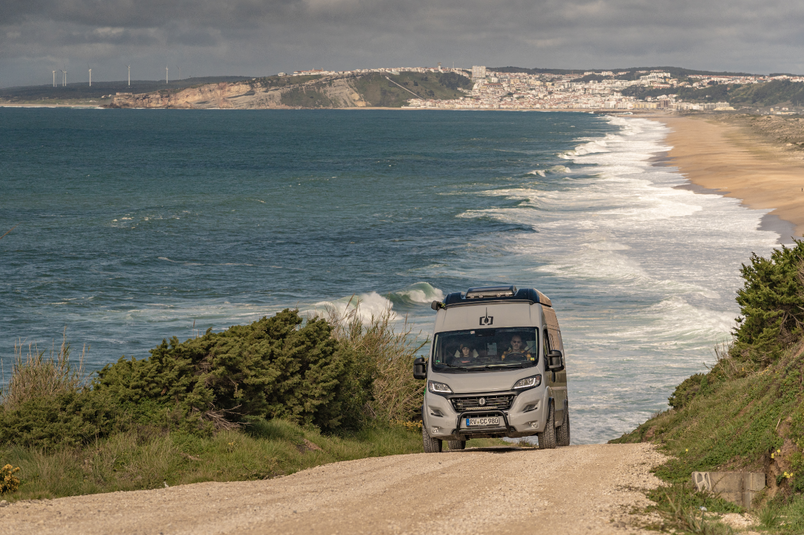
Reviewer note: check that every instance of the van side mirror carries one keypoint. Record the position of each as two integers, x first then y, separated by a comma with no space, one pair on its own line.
420,368
555,361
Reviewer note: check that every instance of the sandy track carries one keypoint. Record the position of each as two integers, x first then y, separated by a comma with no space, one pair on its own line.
579,489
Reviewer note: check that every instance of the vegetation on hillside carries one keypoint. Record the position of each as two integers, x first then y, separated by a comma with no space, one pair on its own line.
747,411
252,401
379,91
774,93
306,97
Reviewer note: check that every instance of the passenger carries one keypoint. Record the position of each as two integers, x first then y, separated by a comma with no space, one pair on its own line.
518,350
465,355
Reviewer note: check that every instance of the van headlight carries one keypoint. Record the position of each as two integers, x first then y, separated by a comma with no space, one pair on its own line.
528,382
438,388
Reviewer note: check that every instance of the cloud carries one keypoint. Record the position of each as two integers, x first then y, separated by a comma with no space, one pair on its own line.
259,37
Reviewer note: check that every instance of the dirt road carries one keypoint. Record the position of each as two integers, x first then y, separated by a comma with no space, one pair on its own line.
578,489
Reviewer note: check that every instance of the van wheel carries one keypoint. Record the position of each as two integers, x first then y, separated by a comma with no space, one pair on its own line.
563,432
457,444
547,439
431,445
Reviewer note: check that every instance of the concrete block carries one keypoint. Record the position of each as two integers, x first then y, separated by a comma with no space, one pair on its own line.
736,487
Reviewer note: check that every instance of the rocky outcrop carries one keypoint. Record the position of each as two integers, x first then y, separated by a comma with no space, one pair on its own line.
254,94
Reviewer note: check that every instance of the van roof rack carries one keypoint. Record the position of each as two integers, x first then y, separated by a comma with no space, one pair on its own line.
495,293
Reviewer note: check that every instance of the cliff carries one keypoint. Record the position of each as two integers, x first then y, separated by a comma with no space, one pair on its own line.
336,91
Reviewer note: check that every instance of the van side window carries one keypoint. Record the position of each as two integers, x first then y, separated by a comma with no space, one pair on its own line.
546,339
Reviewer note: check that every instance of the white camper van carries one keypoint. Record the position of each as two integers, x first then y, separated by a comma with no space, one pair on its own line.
496,369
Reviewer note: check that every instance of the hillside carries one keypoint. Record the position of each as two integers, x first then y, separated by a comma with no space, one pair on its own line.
374,89
747,411
773,93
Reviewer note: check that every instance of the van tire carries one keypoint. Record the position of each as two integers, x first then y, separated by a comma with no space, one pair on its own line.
547,438
457,444
431,445
563,432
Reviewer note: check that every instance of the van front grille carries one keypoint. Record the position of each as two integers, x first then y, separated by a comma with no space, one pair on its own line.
482,403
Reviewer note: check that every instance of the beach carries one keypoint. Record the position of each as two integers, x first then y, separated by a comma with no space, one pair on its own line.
729,158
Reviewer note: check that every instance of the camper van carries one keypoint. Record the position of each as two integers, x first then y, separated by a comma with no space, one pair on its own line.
496,369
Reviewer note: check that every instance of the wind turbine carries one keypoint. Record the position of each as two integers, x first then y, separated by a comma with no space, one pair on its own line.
129,75
166,74
54,78
90,75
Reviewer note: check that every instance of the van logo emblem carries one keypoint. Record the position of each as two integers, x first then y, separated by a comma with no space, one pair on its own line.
481,401
486,320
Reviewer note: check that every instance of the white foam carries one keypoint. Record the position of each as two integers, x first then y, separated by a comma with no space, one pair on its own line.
366,306
420,292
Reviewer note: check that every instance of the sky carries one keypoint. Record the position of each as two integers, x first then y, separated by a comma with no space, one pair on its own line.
262,37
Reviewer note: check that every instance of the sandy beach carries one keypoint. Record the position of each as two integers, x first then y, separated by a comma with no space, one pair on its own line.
732,160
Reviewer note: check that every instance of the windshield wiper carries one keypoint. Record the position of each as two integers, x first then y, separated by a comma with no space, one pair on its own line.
454,367
517,365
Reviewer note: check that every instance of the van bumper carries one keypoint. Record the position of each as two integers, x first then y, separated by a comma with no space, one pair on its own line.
525,416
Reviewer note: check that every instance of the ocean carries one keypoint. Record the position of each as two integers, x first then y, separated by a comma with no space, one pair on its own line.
134,226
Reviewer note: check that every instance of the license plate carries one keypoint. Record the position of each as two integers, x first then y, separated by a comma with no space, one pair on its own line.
474,422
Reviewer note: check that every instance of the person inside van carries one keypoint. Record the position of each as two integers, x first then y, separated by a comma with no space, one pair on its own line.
464,355
518,350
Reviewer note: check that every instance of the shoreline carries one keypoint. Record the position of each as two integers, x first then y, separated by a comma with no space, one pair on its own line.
728,159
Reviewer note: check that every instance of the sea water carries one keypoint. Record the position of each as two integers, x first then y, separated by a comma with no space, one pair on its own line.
133,226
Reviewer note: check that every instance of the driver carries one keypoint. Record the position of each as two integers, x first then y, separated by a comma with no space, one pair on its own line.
518,349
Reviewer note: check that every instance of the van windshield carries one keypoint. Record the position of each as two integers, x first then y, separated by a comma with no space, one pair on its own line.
482,349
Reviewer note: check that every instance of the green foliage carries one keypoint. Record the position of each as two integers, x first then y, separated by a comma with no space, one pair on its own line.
387,358
771,305
272,368
773,93
70,419
687,390
783,515
306,97
682,508
8,481
377,91
768,94
143,458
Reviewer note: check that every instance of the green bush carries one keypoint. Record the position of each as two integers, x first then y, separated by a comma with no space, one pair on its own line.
71,418
687,390
334,375
771,305
272,368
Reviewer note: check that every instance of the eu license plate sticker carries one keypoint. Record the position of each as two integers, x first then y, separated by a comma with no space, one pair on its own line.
473,422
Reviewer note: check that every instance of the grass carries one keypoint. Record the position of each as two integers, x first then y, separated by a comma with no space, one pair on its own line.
138,460
144,459
738,418
36,374
378,91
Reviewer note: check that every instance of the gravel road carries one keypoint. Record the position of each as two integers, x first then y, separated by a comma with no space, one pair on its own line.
578,489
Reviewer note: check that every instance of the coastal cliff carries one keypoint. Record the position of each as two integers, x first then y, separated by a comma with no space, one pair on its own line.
336,91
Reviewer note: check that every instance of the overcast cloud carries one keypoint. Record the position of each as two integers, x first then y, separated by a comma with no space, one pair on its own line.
263,37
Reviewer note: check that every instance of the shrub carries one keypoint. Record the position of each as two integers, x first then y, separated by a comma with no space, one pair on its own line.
771,305
70,418
687,390
387,360
8,481
272,368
